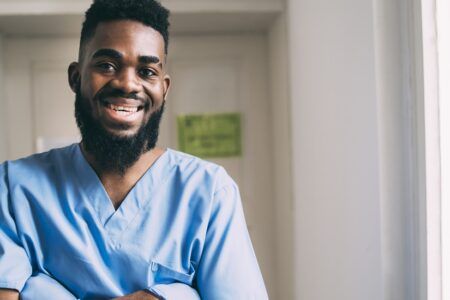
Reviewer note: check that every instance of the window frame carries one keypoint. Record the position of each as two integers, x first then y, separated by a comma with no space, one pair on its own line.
433,147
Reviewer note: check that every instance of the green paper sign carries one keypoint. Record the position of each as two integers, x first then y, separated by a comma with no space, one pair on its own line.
210,135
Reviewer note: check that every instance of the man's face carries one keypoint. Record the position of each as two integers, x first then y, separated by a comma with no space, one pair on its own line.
120,86
121,76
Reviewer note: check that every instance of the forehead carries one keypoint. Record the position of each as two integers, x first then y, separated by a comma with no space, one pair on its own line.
131,38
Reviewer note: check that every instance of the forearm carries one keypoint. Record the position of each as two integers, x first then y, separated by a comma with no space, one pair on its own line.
172,291
175,291
6,294
139,295
164,292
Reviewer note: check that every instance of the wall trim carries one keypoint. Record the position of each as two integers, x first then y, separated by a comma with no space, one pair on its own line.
3,114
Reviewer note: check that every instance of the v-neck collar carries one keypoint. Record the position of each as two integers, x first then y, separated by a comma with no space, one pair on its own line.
115,221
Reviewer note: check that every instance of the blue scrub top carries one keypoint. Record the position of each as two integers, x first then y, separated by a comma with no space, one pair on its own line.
182,223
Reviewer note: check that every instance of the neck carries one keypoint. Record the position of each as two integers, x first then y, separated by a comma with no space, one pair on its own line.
118,184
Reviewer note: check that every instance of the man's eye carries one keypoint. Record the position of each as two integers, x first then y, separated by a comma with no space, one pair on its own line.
106,67
146,72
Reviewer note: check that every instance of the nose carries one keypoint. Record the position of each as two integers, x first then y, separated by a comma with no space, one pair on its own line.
127,81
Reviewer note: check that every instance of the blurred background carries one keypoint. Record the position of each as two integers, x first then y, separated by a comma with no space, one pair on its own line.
340,133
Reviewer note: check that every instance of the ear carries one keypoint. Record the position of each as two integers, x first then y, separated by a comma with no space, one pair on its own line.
74,77
166,85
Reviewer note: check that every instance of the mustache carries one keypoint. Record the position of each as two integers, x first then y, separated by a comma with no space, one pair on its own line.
117,93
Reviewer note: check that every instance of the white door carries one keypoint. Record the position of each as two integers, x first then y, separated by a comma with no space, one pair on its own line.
210,74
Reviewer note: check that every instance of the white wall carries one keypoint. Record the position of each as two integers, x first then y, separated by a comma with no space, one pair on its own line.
335,150
352,149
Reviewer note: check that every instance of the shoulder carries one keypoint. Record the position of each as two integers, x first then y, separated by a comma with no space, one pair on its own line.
191,167
189,163
38,165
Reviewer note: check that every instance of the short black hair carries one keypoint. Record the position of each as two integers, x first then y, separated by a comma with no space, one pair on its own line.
148,12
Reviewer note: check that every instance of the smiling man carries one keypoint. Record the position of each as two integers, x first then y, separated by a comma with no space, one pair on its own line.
115,216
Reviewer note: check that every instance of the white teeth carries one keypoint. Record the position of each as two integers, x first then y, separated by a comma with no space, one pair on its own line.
126,109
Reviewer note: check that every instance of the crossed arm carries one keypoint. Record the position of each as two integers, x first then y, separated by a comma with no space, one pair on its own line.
6,294
141,295
41,285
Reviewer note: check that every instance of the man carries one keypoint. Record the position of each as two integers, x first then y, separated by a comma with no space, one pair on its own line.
115,216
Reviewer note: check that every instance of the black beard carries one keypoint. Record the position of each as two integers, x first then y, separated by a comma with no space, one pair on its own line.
112,152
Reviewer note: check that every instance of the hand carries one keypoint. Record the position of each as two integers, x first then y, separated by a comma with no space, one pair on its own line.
139,295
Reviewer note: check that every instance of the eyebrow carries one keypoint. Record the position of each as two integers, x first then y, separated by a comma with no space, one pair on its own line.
108,53
144,59
149,59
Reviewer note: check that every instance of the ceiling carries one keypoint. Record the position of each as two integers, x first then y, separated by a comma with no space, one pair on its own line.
181,23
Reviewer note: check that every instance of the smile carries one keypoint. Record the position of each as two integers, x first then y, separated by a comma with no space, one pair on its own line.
121,108
123,111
